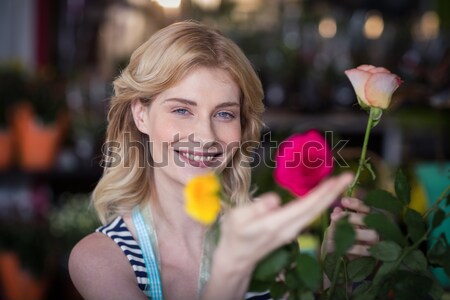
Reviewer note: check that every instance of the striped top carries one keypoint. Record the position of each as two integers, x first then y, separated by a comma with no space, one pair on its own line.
118,231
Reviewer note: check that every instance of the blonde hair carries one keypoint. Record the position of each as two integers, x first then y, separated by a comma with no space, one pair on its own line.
155,66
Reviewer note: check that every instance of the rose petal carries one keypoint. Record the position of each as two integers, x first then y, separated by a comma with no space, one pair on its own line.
379,89
358,79
365,67
379,70
302,161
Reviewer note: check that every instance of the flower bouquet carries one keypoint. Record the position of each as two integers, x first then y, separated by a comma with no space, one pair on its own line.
397,267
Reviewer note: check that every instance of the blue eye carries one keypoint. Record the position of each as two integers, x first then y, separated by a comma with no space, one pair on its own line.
225,115
181,111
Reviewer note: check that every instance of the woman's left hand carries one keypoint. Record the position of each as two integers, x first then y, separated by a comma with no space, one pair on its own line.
365,237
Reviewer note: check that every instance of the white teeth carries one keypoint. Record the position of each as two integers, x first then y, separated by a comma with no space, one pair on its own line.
196,157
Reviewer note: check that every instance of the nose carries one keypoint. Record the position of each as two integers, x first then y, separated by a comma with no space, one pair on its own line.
205,132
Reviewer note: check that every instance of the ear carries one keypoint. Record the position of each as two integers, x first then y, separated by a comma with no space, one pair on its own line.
140,113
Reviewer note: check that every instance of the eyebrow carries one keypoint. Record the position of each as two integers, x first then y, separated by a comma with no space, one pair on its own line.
193,103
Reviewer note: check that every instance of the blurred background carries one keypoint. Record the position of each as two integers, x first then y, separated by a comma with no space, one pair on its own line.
59,57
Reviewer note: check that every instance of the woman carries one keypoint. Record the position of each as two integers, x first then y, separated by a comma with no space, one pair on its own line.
183,107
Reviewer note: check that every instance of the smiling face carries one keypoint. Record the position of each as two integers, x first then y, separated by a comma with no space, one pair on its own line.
194,127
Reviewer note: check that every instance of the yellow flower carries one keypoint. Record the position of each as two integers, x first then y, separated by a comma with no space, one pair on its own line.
202,195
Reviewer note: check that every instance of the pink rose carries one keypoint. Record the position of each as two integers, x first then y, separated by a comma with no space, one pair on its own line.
373,86
302,161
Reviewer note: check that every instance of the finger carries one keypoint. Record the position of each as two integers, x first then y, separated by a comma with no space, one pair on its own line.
355,204
261,205
367,235
295,215
353,218
359,250
336,214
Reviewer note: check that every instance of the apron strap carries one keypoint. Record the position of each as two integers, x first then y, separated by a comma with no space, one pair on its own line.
151,264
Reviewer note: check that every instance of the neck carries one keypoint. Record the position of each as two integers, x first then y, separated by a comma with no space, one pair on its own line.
169,213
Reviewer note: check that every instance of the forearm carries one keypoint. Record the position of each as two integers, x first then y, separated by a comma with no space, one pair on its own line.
228,281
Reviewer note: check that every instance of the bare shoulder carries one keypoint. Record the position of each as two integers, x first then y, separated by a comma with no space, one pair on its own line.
100,270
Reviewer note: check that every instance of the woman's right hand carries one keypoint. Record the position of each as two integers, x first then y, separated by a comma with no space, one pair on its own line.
250,232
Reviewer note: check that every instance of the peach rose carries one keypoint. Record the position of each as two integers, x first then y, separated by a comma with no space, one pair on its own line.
373,86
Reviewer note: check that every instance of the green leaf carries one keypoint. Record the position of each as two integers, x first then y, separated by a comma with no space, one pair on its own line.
299,295
436,292
375,115
344,236
408,285
258,285
386,251
292,280
309,271
329,264
415,224
340,293
362,292
387,229
416,261
369,168
278,289
438,252
383,271
438,217
402,187
384,200
308,295
359,268
271,265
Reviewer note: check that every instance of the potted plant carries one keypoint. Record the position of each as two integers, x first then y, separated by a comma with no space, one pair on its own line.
12,84
39,124
25,259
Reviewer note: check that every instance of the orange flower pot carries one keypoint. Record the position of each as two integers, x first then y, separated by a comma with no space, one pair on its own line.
17,283
37,143
6,149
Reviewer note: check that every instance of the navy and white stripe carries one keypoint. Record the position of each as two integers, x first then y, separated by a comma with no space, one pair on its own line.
118,231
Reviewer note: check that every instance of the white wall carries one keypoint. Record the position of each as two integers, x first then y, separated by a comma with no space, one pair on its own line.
17,32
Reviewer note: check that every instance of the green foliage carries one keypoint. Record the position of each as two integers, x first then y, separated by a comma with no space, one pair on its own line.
344,236
416,261
72,219
438,217
402,187
271,265
360,268
415,225
383,200
386,251
398,266
385,228
308,270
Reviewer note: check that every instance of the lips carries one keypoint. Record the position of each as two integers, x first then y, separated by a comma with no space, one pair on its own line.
199,159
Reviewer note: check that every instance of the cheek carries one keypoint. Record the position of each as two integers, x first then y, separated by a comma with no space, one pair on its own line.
232,139
161,137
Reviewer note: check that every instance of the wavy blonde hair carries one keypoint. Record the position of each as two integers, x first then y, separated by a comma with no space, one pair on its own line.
155,66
